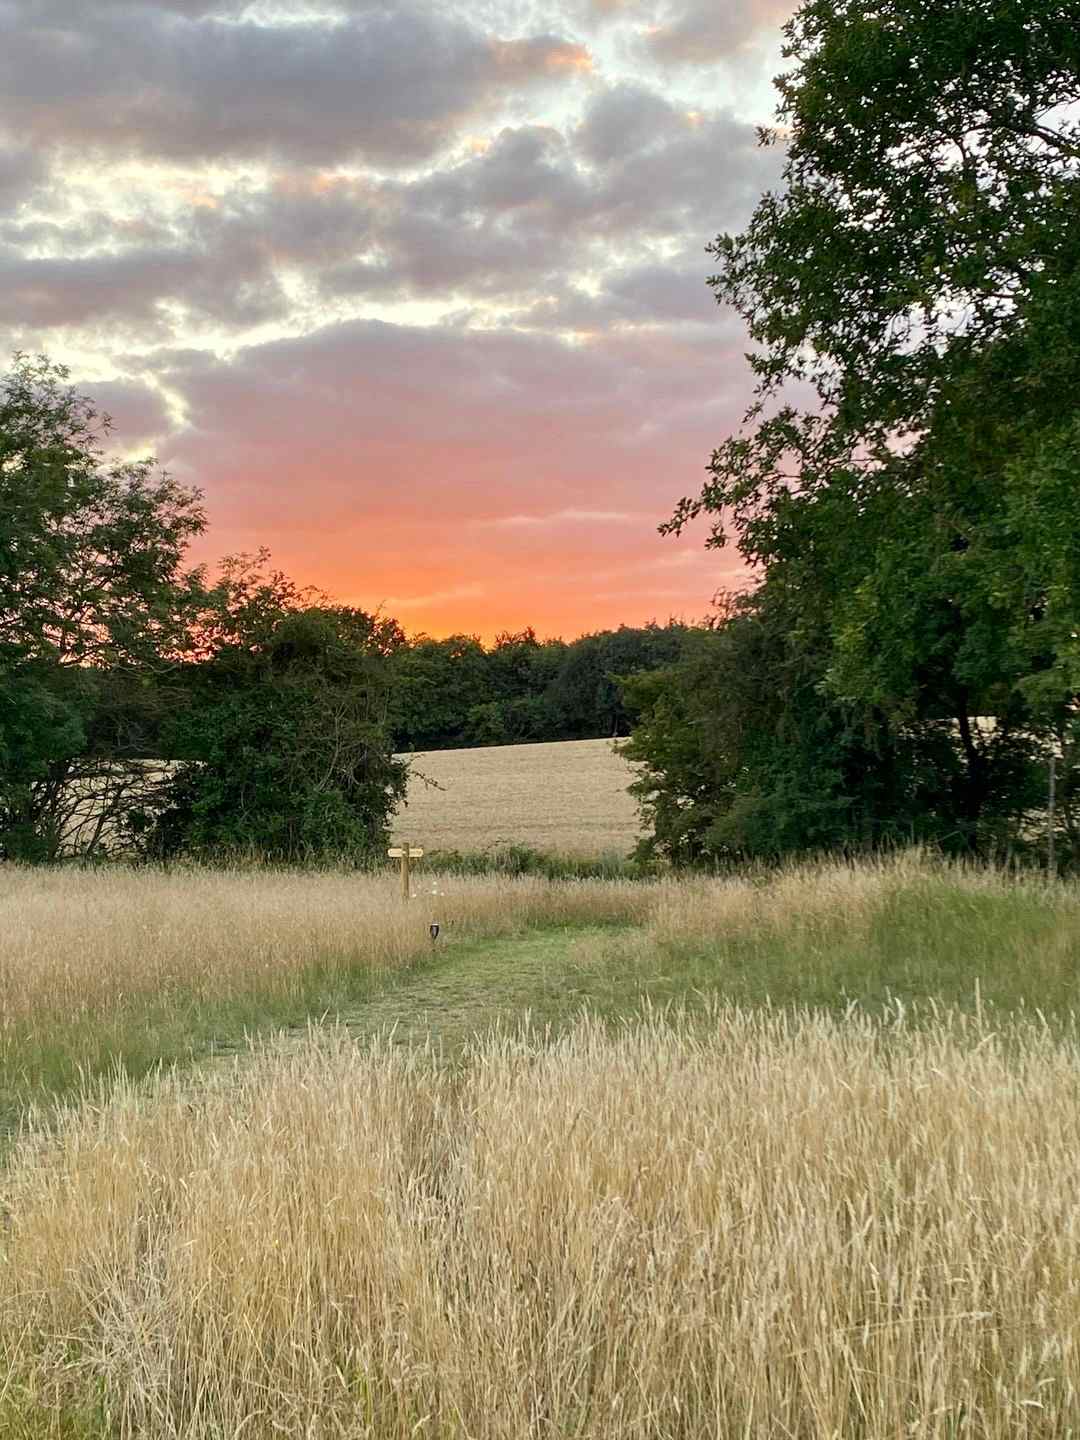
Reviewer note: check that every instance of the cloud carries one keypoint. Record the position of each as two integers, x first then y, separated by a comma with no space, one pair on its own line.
619,200
513,225
192,177
705,32
626,120
435,598
389,85
569,516
47,293
518,220
21,170
139,414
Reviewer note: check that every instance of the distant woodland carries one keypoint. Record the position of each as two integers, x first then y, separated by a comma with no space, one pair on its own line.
457,692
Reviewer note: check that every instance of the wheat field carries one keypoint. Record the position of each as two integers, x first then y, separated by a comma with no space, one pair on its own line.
570,797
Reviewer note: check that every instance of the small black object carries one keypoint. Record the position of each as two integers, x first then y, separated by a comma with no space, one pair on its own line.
433,931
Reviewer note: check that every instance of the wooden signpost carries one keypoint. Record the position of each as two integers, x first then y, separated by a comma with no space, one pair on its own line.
406,854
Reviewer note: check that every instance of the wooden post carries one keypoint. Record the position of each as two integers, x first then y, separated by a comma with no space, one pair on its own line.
1051,852
406,854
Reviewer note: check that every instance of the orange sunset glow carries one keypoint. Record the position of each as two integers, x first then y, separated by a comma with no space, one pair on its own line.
415,293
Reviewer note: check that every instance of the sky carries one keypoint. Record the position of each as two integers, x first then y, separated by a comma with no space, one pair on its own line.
415,293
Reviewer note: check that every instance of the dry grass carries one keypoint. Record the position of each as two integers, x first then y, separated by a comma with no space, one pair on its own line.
568,798
787,1226
724,1221
93,963
107,969
74,941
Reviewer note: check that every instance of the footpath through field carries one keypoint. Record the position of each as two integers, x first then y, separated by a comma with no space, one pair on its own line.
543,979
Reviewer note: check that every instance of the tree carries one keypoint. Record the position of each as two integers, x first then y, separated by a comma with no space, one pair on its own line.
587,692
745,757
920,276
438,683
94,605
284,749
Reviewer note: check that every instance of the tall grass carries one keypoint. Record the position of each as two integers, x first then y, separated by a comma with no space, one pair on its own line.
776,1224
100,967
111,969
907,928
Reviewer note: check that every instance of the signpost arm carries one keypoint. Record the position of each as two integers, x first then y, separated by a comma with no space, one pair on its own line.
406,854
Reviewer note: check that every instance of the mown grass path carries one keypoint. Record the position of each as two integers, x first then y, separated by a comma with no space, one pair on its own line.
542,978
281,953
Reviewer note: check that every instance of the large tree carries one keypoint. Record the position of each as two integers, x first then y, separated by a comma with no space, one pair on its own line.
283,749
907,473
95,602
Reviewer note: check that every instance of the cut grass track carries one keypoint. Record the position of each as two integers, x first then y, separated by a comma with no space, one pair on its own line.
1008,955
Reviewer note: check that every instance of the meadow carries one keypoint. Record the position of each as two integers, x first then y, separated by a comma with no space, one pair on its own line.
792,1154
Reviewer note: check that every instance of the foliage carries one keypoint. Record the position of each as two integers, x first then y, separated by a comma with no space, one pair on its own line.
455,692
742,757
283,750
94,609
439,683
919,279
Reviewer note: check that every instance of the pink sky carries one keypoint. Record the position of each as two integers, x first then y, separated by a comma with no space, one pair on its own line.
415,293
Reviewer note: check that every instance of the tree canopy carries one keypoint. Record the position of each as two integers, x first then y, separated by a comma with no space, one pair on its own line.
905,481
95,605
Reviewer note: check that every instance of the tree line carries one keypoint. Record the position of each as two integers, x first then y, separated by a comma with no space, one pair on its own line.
149,709
457,692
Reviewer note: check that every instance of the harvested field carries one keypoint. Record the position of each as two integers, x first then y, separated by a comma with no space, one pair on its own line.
568,797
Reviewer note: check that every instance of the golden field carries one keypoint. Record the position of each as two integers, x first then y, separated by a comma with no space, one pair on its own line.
680,1216
775,1225
568,797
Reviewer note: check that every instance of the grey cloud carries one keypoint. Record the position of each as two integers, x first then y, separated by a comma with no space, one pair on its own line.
707,31
74,292
59,233
674,293
518,219
527,168
513,225
53,11
626,120
220,262
301,219
654,295
664,292
703,172
138,412
389,84
20,171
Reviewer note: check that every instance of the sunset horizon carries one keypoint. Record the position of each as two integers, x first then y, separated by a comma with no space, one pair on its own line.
416,295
